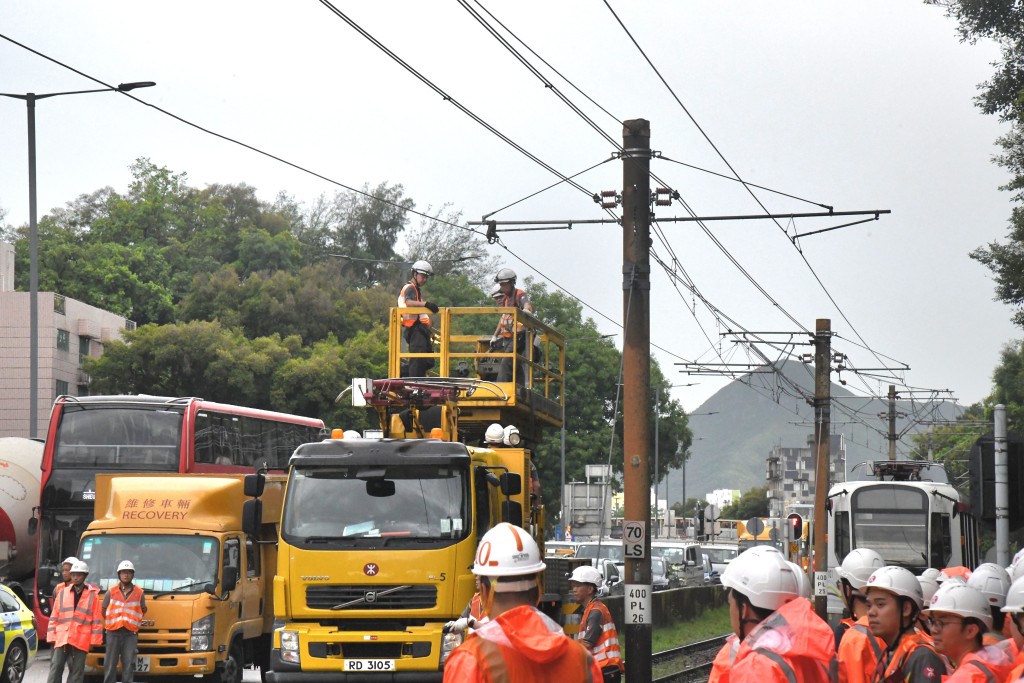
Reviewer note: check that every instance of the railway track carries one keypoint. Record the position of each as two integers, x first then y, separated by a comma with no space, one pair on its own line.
694,659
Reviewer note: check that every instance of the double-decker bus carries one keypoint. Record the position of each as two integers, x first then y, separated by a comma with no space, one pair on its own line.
906,511
92,434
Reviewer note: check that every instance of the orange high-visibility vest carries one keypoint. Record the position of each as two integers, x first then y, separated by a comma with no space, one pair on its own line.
124,612
606,649
410,320
476,607
79,626
515,300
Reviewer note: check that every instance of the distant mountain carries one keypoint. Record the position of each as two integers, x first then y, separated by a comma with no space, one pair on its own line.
757,412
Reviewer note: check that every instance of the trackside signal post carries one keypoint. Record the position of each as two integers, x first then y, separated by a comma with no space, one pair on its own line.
636,395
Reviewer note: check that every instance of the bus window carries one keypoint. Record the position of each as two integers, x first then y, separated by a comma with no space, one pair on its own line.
941,542
842,535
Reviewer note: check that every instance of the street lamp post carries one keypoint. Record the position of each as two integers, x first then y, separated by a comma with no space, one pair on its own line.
565,351
33,236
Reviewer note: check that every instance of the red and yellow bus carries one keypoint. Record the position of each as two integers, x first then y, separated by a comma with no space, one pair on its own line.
88,435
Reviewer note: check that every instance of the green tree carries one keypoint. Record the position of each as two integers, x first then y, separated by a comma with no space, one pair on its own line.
753,503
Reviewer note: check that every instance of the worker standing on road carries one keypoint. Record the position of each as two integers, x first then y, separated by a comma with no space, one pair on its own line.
416,327
959,618
780,637
123,607
858,650
512,335
597,630
76,624
519,643
894,600
65,570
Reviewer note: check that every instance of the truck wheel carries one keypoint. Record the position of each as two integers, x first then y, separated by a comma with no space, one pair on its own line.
231,670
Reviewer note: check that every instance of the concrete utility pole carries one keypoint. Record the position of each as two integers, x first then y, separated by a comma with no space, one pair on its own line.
892,422
1002,488
822,439
636,394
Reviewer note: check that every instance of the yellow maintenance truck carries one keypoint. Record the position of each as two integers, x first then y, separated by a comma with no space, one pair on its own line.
379,530
205,561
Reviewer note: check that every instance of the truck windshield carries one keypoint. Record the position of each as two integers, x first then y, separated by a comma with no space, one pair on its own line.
326,504
893,520
182,564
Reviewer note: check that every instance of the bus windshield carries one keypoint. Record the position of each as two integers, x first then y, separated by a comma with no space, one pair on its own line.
179,564
407,503
142,439
892,520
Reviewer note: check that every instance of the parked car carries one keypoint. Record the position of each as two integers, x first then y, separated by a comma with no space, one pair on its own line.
684,561
20,637
660,574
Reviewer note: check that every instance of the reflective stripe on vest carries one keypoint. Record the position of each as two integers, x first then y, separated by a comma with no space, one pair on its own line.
875,647
787,670
411,319
606,649
989,676
78,626
124,612
494,669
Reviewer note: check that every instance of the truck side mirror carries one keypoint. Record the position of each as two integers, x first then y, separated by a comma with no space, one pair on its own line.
511,484
253,484
33,525
230,580
512,512
252,516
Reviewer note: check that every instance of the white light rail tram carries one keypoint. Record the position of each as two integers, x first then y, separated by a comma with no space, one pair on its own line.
906,511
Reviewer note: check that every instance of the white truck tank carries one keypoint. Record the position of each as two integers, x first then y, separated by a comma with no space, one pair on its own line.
20,461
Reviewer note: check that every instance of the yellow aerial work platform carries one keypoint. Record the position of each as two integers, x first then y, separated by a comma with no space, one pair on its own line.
464,359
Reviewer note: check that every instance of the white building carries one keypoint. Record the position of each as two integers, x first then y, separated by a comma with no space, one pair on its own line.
69,331
721,498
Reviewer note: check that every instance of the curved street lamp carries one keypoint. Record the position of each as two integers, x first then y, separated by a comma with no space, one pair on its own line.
33,235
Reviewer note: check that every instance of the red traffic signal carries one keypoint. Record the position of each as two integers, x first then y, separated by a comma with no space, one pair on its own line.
796,526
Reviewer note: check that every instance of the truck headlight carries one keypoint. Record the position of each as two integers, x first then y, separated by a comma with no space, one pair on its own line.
202,635
290,647
449,641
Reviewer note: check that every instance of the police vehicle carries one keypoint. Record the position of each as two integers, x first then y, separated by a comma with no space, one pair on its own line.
19,637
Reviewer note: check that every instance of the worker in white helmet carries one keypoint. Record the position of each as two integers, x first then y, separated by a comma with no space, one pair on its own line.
511,334
992,581
857,648
76,625
597,629
1014,608
959,617
416,327
519,643
123,608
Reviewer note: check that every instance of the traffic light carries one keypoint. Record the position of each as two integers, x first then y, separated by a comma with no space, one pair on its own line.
796,526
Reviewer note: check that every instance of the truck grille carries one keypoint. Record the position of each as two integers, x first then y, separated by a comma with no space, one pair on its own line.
369,597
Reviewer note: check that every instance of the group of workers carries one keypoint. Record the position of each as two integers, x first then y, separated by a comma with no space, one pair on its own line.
80,620
508,336
945,625
511,640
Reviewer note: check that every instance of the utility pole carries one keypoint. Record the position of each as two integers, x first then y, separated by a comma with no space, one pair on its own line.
1001,487
822,439
892,422
636,395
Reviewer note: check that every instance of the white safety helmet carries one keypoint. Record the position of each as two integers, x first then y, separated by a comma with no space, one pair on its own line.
496,292
508,550
963,601
79,567
802,580
1018,572
351,434
505,275
763,576
858,565
991,581
126,566
1015,597
586,574
1018,556
70,560
928,586
422,267
898,581
930,573
494,434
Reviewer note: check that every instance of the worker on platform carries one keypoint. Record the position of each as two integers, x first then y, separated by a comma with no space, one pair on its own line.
959,617
519,643
597,629
76,624
123,608
416,327
858,649
778,637
894,601
510,334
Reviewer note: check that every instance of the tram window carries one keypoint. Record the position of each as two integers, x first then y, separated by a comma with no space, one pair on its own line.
842,535
941,541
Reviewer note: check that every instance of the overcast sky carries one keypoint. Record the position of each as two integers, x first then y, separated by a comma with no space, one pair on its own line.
858,105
